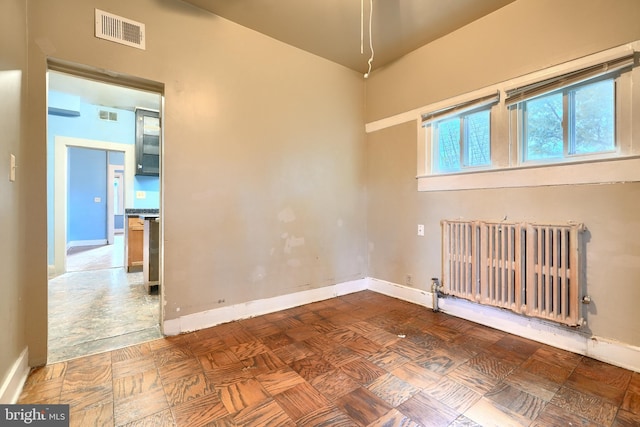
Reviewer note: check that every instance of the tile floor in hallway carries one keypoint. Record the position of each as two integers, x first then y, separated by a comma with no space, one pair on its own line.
362,359
97,306
98,257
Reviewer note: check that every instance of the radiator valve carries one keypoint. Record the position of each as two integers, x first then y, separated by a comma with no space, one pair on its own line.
435,288
586,299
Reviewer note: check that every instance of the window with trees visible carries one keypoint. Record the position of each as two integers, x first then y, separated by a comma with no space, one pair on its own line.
568,114
463,141
460,134
573,121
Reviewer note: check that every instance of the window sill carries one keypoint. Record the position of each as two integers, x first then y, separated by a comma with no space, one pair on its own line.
622,169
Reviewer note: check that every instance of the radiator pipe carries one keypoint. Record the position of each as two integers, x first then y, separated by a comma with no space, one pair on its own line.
435,288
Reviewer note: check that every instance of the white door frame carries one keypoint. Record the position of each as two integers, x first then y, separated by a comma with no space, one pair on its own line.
62,143
113,171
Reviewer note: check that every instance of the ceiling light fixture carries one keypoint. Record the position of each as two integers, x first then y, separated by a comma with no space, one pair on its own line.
366,75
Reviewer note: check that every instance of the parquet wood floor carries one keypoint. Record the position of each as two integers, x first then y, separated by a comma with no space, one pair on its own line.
359,360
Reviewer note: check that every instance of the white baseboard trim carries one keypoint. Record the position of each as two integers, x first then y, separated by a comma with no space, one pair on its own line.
603,349
79,243
206,319
614,352
13,383
606,350
405,293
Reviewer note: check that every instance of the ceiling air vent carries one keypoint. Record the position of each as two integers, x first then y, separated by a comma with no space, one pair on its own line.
120,30
108,115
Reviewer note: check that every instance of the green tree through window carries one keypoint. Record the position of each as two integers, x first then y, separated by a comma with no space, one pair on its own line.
588,112
594,118
469,134
543,127
448,132
478,147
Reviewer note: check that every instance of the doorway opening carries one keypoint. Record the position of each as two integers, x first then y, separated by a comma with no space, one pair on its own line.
98,173
97,302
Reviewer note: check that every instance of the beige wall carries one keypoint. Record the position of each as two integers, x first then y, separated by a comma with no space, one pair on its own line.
266,169
520,38
13,258
264,190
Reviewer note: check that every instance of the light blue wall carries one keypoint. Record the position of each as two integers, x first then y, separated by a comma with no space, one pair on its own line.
88,125
150,186
87,194
116,158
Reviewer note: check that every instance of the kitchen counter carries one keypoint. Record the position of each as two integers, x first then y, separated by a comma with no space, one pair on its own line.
135,212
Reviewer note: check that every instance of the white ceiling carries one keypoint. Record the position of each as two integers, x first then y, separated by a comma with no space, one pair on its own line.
107,95
327,28
331,28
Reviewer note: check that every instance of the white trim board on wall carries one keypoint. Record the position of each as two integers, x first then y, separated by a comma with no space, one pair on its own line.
609,351
609,171
12,384
551,71
606,350
206,319
78,243
62,143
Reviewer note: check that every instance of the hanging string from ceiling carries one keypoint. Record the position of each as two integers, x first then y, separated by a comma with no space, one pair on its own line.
366,75
361,27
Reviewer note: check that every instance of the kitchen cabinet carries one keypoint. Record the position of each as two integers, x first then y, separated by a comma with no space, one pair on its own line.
135,244
147,142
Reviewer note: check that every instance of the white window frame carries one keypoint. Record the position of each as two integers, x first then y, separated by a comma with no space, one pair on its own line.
622,124
567,122
478,101
432,129
507,168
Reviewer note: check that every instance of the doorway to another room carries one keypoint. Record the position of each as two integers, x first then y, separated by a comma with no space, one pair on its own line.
98,300
98,173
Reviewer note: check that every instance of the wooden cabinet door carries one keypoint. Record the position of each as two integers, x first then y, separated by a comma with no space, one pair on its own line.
135,243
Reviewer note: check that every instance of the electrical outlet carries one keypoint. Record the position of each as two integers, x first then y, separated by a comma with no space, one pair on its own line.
420,229
408,280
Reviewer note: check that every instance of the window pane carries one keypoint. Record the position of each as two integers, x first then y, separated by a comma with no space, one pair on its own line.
151,125
477,139
448,132
594,118
543,127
